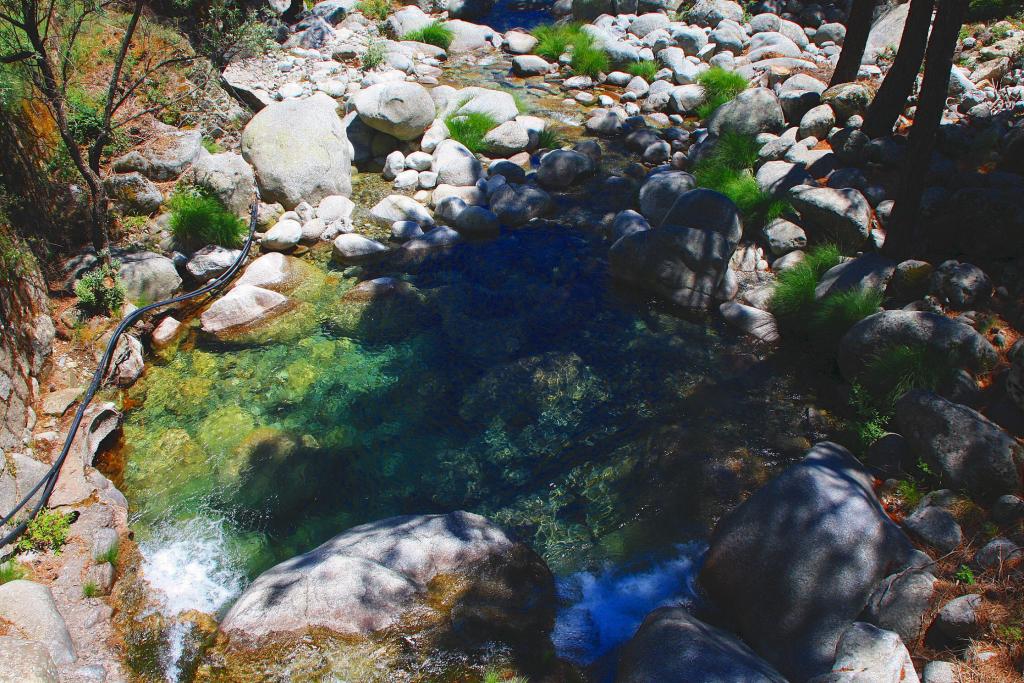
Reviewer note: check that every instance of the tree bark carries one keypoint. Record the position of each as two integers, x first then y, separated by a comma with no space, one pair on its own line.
892,96
858,26
904,225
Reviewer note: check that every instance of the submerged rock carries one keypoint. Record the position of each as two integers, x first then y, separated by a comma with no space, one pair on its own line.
820,542
243,307
457,574
672,645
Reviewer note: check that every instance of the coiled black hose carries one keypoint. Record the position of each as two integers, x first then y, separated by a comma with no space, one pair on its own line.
49,480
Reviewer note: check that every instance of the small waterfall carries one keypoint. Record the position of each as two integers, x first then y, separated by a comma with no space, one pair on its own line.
603,610
186,565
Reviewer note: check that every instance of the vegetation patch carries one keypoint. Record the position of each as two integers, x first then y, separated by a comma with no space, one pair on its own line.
198,219
374,55
587,58
100,291
434,33
729,169
46,531
375,9
643,68
470,129
11,571
719,86
793,298
554,40
549,138
901,368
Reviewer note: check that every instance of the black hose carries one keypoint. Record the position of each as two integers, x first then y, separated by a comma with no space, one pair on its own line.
49,480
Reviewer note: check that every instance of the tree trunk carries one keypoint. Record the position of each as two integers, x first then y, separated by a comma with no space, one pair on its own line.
896,88
903,229
858,26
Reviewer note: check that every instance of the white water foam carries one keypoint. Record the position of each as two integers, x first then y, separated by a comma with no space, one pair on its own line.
604,609
186,564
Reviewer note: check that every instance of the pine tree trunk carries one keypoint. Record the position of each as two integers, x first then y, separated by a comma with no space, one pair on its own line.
904,224
892,97
858,26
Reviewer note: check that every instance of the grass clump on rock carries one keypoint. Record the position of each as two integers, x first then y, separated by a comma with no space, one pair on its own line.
470,129
793,299
549,138
643,68
719,86
837,313
587,58
198,219
553,40
434,33
901,368
728,169
11,571
46,531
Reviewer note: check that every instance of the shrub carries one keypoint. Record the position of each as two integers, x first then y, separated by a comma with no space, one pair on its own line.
100,291
909,492
644,68
553,40
793,298
198,219
46,531
374,55
434,33
11,571
587,58
719,86
375,9
84,115
470,129
900,368
549,138
837,313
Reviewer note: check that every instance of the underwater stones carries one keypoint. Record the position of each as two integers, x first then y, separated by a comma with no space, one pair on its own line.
351,248
32,613
243,307
969,450
399,207
672,645
817,524
680,264
299,151
437,238
401,109
376,576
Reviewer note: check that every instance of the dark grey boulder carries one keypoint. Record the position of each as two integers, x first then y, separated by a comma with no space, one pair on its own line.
997,552
518,204
660,192
702,209
795,564
959,344
840,215
868,271
966,449
679,264
961,285
900,603
958,618
753,111
934,526
672,645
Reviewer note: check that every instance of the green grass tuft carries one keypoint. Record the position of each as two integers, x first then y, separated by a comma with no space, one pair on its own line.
793,299
837,313
895,370
434,33
11,571
198,220
110,556
645,69
374,55
375,9
587,58
728,169
719,86
554,40
470,129
90,590
549,138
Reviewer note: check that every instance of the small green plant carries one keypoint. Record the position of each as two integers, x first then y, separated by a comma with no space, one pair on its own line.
470,129
719,86
643,68
909,492
1011,634
999,31
549,138
793,298
84,116
964,575
11,571
374,54
109,556
494,676
869,422
897,369
587,58
925,468
728,169
198,219
100,291
554,40
522,105
434,33
90,589
15,256
212,146
375,9
837,313
46,531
